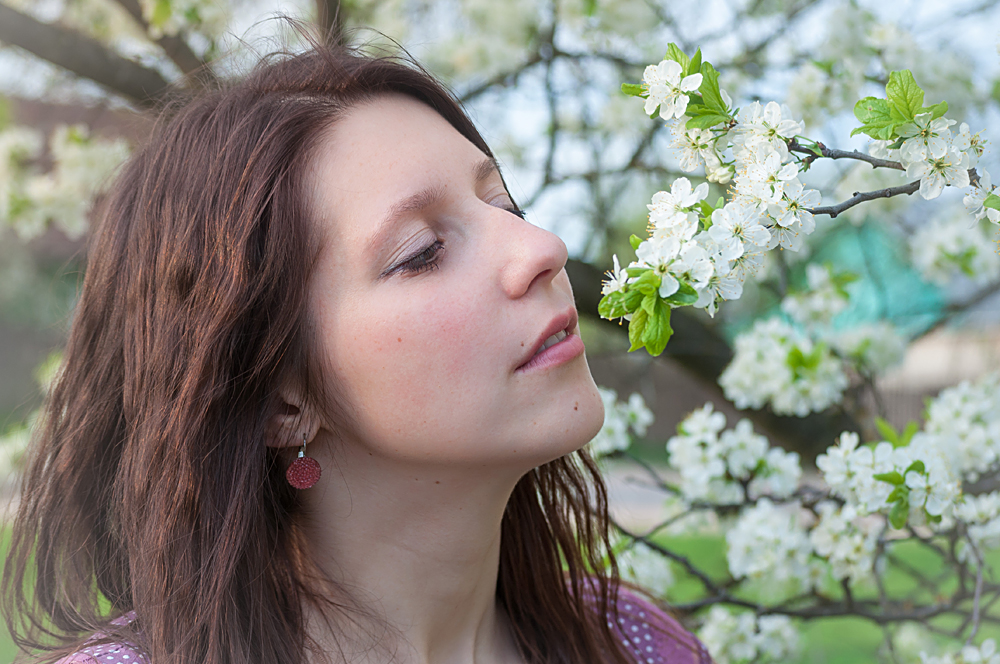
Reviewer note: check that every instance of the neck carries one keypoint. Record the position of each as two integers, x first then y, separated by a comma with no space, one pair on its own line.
419,545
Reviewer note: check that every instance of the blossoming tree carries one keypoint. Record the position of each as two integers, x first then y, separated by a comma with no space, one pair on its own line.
740,172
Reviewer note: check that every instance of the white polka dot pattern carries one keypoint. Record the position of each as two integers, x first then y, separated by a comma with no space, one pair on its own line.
652,636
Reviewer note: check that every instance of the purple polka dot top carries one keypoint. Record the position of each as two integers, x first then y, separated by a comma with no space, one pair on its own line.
649,635
652,636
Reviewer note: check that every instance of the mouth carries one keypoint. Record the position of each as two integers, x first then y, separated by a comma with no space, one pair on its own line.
556,333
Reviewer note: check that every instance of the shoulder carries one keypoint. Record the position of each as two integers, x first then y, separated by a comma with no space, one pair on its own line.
652,635
108,653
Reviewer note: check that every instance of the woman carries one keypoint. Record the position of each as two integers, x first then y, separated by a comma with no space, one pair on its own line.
317,278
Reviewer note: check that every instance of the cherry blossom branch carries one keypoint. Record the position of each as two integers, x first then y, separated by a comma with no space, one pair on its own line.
978,592
862,197
830,153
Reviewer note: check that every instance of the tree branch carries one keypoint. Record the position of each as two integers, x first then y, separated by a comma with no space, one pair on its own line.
174,47
830,153
82,55
858,198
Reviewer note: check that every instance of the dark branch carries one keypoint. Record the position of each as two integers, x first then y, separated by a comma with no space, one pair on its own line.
858,198
81,55
174,47
830,153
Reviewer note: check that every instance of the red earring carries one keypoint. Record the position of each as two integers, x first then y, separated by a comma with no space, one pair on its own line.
304,471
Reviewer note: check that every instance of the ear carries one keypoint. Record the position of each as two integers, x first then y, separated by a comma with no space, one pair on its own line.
293,420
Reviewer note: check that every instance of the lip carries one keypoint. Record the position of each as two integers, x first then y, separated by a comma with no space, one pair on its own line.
569,347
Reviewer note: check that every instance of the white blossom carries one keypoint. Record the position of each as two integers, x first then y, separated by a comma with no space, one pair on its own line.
667,89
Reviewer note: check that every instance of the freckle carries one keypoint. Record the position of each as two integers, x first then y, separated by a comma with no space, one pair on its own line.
576,408
436,482
522,343
399,339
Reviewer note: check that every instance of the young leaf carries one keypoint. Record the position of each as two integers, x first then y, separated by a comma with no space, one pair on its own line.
649,303
694,66
887,431
633,90
635,241
684,295
917,465
648,282
608,304
904,94
911,429
901,491
992,202
632,299
636,327
900,511
876,119
676,54
937,110
710,93
706,121
656,344
892,477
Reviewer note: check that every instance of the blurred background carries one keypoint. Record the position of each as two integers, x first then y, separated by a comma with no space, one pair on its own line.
80,81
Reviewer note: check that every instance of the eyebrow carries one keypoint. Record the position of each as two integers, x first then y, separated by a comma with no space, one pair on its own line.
423,199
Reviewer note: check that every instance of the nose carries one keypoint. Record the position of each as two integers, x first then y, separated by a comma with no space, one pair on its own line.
533,256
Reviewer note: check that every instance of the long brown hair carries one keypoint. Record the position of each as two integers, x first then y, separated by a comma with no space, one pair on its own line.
150,487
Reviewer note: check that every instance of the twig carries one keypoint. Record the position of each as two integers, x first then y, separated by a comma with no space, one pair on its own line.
831,153
978,593
858,198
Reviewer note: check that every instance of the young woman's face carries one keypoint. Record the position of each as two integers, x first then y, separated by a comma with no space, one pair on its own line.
430,294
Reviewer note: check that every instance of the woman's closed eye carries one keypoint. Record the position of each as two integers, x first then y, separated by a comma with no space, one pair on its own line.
429,258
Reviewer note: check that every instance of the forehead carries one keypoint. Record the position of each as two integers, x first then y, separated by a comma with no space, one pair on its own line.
377,153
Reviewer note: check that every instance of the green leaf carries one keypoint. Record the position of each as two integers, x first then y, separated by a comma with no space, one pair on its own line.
636,327
911,429
887,431
706,121
632,299
710,93
694,66
684,295
904,94
892,477
901,491
612,306
992,202
675,53
161,13
649,303
633,90
589,7
635,241
917,465
876,118
937,110
648,282
900,511
658,331
637,271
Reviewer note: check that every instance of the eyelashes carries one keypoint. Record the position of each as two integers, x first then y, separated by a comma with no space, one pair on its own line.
429,258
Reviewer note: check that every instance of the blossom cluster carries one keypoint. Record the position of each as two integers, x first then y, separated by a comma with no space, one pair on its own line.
740,638
620,418
82,166
699,253
726,467
776,363
984,653
642,565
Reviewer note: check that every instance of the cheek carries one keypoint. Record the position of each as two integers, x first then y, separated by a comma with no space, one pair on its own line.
425,367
